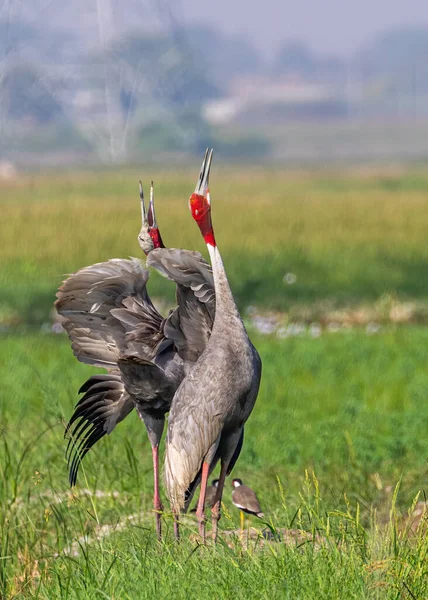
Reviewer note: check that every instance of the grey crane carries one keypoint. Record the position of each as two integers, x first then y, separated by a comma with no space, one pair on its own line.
211,406
113,324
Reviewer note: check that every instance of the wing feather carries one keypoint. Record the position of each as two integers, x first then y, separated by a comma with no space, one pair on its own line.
105,403
86,300
189,326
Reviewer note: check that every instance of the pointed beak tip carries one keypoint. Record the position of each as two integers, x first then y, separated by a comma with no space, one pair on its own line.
204,174
151,212
143,205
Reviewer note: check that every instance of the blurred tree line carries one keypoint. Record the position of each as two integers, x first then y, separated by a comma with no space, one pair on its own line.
145,90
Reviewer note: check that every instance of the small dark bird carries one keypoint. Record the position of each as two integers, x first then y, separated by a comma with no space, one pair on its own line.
244,498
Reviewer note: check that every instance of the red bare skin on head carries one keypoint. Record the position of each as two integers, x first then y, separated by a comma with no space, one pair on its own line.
201,212
150,218
156,237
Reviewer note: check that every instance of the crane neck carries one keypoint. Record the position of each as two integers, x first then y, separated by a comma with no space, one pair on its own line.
225,303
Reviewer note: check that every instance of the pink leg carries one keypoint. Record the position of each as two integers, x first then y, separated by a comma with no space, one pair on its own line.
215,511
157,504
200,511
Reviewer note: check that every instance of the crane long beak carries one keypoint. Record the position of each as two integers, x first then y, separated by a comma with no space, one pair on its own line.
151,215
204,174
199,201
143,206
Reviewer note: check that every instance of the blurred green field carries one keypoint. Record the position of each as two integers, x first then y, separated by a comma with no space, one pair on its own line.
336,447
349,237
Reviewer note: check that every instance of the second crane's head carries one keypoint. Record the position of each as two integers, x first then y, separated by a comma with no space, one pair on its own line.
149,237
200,203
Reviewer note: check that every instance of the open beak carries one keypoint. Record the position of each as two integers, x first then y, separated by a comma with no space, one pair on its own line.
151,215
202,187
151,219
199,201
143,206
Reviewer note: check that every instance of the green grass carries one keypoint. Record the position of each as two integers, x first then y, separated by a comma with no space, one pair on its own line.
349,408
336,447
350,238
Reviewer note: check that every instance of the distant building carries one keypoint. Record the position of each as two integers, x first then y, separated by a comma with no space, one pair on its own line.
264,100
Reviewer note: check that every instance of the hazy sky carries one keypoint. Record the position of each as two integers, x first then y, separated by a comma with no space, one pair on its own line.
330,26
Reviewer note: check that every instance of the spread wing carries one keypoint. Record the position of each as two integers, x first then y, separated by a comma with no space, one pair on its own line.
189,326
87,300
107,312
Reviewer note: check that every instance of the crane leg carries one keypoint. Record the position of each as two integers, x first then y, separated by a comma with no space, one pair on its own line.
216,509
157,503
200,511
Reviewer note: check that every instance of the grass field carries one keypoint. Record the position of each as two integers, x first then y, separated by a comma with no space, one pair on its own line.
336,447
350,238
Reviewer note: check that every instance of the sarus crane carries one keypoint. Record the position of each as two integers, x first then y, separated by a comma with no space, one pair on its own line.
211,406
113,324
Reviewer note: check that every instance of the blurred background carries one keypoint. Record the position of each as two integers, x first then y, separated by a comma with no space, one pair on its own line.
109,81
318,115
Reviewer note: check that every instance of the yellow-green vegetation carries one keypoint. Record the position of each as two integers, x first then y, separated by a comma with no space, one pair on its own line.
350,238
336,447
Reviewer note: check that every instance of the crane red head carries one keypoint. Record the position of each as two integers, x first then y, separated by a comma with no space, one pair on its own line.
149,236
200,203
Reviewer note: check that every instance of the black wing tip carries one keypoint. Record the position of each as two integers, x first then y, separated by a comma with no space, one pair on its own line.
78,452
88,421
81,440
